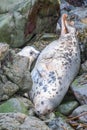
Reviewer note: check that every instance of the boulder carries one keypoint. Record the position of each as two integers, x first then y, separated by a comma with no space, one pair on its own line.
4,48
79,88
17,104
17,71
67,107
81,112
13,17
59,124
16,121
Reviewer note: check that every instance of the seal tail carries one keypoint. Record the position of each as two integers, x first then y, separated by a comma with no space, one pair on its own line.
63,19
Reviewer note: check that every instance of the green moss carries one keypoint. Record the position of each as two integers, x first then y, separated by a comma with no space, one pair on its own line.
13,105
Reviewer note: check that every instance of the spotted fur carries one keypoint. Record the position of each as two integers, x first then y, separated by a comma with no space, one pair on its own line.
55,69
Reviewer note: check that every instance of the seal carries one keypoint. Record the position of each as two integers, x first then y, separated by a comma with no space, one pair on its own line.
29,52
55,69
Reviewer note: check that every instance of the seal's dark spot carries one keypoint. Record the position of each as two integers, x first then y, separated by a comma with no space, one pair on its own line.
42,102
56,92
45,88
60,82
40,83
38,92
53,89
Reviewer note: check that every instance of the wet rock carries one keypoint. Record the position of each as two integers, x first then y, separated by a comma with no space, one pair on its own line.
78,15
16,121
14,105
42,16
59,124
68,107
79,88
13,16
84,67
76,3
81,110
4,48
7,90
17,72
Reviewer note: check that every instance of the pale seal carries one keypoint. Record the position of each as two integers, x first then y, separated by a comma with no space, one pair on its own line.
55,69
29,52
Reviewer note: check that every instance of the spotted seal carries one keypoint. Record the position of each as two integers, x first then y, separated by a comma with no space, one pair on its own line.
29,52
55,69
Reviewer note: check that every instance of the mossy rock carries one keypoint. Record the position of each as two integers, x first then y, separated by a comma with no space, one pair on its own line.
13,105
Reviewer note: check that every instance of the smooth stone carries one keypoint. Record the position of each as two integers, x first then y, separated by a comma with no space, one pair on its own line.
81,110
4,48
13,105
79,88
68,107
59,124
16,121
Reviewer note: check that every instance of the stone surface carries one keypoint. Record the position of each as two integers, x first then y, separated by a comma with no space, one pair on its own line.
84,67
42,13
4,48
68,107
16,13
7,90
59,124
79,88
14,105
81,110
16,121
17,72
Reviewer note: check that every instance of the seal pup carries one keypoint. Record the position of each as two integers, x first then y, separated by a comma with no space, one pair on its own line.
29,52
55,69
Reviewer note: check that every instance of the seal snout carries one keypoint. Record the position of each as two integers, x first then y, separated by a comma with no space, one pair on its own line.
43,107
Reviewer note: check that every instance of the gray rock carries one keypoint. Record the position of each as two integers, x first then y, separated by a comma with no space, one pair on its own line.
13,16
4,48
16,121
59,124
79,88
17,104
68,107
84,66
81,110
7,90
42,18
17,72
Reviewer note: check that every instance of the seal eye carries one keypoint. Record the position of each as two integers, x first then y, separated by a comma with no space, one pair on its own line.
42,102
31,52
49,110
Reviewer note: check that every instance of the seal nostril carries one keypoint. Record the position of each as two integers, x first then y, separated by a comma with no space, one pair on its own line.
38,112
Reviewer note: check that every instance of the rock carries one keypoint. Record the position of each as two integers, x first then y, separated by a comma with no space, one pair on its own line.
17,72
4,48
42,16
68,107
59,124
13,105
78,15
7,90
81,110
84,67
16,121
79,88
76,2
13,17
